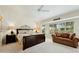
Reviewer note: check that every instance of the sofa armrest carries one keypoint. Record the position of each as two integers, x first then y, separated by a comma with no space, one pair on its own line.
53,35
75,41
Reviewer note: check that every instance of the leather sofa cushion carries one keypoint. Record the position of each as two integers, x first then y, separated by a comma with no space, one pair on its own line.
59,38
65,35
65,39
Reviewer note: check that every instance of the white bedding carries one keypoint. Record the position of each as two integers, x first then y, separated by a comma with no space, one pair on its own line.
21,35
2,36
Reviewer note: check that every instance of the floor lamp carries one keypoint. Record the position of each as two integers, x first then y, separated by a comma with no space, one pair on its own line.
1,18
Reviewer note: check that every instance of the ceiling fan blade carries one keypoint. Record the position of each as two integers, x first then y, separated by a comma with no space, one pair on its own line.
41,6
41,9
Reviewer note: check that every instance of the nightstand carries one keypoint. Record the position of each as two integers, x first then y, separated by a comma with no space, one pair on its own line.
11,38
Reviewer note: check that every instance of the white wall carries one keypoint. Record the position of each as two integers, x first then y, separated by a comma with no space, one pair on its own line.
76,27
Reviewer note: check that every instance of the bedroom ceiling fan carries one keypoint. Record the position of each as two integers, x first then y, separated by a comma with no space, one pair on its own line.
40,9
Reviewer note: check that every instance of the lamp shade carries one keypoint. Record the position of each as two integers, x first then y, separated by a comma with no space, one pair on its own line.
37,29
11,26
1,17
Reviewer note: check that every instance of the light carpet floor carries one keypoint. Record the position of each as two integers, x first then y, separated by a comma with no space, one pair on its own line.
11,48
45,47
48,47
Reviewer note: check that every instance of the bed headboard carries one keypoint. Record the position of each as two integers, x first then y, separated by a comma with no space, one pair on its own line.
23,31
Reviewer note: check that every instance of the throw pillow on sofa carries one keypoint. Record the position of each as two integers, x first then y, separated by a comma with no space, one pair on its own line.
65,35
71,36
58,34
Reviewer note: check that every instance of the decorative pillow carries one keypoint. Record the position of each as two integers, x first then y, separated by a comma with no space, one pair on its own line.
65,35
58,34
71,36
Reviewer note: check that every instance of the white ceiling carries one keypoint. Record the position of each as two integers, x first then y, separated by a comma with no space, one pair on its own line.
55,10
28,14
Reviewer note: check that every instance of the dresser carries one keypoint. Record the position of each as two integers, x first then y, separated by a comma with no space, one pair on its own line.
29,41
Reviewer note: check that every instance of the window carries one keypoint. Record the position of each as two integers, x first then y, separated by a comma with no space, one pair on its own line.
43,29
62,27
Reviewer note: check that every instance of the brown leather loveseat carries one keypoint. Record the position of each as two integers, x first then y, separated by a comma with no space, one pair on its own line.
66,39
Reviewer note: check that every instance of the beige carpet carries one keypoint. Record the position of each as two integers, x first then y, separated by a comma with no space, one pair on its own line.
48,47
45,47
11,48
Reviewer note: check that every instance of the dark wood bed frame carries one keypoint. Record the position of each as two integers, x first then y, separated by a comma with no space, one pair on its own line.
31,40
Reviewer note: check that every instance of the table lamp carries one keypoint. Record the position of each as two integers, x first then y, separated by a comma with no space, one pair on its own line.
1,18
